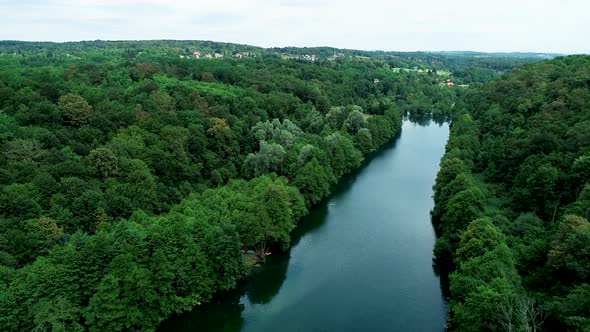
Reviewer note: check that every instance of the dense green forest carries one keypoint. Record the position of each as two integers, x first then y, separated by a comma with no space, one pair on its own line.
131,179
513,202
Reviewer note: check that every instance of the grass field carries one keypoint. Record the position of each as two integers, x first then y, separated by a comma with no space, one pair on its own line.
442,73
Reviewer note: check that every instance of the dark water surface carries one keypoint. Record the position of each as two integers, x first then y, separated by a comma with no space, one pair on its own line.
361,261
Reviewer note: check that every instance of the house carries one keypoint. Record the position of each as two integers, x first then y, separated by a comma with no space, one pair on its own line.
376,80
239,55
450,83
218,56
182,56
197,54
208,56
312,57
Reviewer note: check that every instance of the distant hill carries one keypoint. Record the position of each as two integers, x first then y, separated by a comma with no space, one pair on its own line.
522,55
9,46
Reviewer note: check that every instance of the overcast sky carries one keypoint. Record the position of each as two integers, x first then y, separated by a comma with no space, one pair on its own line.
429,25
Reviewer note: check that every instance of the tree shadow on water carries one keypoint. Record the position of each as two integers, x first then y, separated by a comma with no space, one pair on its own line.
426,119
265,282
223,313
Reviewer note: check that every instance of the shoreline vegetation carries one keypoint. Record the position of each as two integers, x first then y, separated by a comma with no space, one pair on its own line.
512,202
131,178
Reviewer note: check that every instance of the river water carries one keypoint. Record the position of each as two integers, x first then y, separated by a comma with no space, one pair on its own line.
360,261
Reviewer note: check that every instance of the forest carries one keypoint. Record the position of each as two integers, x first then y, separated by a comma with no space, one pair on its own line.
513,202
132,178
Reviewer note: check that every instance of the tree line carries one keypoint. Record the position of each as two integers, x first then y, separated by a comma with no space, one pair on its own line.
512,202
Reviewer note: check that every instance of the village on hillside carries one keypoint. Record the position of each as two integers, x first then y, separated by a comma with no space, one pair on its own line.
199,55
240,55
313,57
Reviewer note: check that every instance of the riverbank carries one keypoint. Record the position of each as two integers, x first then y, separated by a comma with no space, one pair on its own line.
363,254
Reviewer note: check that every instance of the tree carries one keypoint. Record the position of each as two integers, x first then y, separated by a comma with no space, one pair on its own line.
105,161
574,308
570,249
581,206
135,189
449,169
143,70
306,153
277,206
313,181
24,150
75,109
364,140
355,122
336,117
480,237
20,201
284,133
57,314
542,186
222,138
461,182
381,129
342,153
268,159
484,291
8,127
163,101
462,209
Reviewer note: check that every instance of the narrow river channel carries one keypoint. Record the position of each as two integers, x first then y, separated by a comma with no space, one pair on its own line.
361,261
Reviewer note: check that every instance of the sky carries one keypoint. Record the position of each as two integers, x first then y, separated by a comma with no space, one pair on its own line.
560,26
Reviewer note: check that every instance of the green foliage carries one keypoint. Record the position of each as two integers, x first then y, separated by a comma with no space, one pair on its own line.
121,198
450,168
570,250
344,157
523,137
105,161
581,206
442,195
20,201
574,309
485,287
313,181
75,109
355,121
129,276
480,237
269,159
464,207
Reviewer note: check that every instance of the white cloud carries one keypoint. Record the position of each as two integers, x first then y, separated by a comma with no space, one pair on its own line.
501,25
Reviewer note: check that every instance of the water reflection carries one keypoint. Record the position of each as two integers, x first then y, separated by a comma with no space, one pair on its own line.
266,281
223,313
425,120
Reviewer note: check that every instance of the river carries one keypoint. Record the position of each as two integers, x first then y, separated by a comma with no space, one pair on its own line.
360,261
